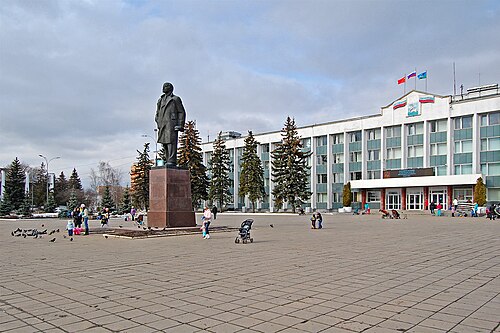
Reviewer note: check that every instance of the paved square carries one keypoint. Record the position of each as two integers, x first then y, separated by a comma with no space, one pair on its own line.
358,274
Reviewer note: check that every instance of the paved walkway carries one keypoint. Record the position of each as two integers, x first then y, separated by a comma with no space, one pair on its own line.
358,274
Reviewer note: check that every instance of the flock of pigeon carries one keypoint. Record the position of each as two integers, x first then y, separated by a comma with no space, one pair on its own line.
35,233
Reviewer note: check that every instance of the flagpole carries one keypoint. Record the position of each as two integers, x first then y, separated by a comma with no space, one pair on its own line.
426,74
404,91
415,78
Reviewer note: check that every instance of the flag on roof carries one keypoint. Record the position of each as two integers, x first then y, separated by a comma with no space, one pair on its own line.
422,75
399,104
426,99
402,80
412,74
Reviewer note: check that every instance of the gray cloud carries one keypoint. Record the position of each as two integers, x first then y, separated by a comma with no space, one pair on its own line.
80,79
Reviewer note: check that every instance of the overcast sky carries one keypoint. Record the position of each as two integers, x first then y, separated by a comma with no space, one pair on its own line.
80,79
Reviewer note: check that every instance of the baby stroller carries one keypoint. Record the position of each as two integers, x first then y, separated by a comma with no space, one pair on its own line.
244,232
385,214
395,214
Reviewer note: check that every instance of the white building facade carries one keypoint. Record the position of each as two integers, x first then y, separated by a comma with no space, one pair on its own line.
419,149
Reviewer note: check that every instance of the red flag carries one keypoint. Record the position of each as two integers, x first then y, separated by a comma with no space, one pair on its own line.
402,80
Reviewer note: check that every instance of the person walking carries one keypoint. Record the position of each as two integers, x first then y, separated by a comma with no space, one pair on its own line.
207,218
455,203
133,211
432,206
214,212
319,218
85,215
439,207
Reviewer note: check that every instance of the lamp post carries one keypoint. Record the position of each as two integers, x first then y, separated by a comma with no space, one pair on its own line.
47,161
156,144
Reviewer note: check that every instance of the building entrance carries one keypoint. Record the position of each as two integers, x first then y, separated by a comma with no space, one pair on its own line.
439,196
414,201
393,200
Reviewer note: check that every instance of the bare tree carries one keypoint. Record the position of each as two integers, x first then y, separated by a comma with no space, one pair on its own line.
106,175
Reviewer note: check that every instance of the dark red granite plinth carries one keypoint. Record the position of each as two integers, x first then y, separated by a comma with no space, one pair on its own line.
170,199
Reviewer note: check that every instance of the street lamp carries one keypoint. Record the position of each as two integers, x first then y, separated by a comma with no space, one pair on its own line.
47,161
156,144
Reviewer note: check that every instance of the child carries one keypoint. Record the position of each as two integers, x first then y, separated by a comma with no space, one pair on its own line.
70,226
313,221
207,218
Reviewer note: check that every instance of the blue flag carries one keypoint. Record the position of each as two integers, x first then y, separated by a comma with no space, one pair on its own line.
422,75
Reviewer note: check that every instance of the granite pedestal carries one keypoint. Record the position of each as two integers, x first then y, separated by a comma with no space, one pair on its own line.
170,198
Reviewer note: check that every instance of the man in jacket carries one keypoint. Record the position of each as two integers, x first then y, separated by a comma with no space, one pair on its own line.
170,117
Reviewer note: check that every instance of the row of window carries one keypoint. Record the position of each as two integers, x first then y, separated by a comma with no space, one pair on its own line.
435,126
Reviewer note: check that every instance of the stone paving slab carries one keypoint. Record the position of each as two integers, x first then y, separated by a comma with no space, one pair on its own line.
358,274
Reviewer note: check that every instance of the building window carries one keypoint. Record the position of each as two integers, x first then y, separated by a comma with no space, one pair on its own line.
463,122
338,178
321,141
438,125
373,134
338,158
355,156
464,146
463,169
306,142
264,148
373,174
490,169
438,149
338,138
355,136
440,170
416,151
336,197
373,196
414,129
374,155
393,153
393,132
490,119
490,144
322,178
321,159
463,194
321,197
355,175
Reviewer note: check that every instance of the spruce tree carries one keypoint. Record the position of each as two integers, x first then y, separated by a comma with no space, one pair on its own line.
5,205
14,184
219,166
25,208
61,190
252,172
40,186
73,200
480,192
125,204
289,168
51,204
107,201
190,157
140,187
74,181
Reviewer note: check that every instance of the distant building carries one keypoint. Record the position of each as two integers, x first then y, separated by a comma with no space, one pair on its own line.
420,148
